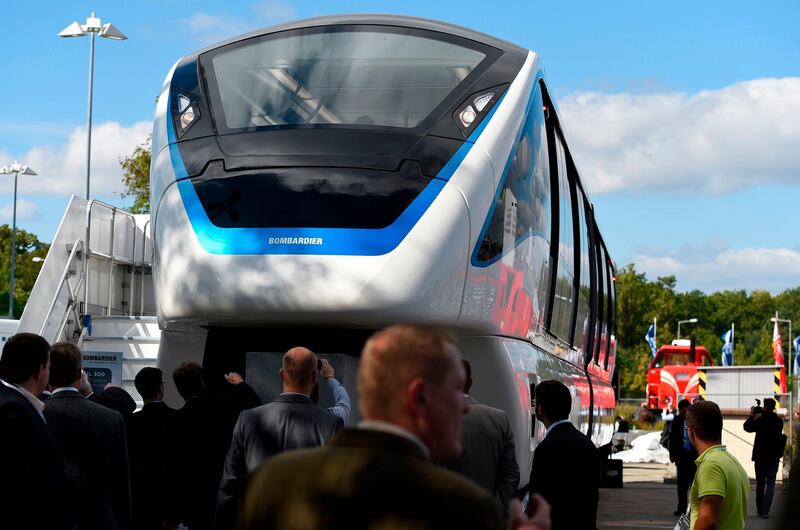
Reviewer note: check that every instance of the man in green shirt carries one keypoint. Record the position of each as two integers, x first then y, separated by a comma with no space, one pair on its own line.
719,492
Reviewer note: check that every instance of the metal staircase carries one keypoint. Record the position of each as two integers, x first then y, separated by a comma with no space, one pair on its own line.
95,289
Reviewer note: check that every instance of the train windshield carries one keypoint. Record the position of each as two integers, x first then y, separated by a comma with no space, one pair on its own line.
337,76
677,359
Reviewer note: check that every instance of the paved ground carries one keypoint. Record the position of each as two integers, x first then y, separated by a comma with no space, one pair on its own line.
646,502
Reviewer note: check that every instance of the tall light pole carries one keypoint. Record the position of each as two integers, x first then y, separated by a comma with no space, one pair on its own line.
690,321
16,169
107,31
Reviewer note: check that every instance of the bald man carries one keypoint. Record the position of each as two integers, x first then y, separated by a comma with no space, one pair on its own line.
380,475
292,421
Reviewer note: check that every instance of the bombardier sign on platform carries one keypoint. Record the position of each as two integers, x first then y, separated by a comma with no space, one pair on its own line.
295,241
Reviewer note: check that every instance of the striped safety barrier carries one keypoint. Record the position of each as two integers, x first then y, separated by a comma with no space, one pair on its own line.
701,386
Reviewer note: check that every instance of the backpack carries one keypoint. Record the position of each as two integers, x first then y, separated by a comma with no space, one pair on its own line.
780,445
664,440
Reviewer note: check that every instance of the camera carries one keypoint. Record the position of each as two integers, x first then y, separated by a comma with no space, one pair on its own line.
757,409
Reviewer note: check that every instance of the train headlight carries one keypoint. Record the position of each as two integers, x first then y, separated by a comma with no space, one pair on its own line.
187,118
467,116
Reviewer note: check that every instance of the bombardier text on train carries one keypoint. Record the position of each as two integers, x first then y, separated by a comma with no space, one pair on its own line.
295,241
431,161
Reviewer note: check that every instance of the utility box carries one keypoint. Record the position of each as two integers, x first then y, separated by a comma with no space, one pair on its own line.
736,388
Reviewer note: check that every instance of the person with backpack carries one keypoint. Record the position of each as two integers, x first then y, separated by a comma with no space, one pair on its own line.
767,451
683,454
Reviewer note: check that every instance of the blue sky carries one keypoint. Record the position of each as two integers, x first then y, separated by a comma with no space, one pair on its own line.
683,117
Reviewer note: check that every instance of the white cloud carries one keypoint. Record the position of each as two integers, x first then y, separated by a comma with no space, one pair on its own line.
714,141
274,11
209,28
62,168
714,267
26,211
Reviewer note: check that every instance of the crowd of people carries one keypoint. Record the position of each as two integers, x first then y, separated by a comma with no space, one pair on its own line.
425,454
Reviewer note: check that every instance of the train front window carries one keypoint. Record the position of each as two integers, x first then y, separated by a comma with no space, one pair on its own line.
678,359
385,77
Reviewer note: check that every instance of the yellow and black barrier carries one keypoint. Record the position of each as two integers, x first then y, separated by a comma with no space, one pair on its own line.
777,387
702,385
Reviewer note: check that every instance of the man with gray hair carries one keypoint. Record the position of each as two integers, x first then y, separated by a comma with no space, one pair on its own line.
292,421
380,475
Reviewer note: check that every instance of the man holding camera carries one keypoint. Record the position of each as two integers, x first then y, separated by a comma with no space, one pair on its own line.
292,421
767,451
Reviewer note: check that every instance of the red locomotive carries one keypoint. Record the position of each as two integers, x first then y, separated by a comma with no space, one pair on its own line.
673,375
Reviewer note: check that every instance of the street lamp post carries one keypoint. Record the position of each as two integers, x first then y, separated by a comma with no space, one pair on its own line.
16,169
107,31
690,321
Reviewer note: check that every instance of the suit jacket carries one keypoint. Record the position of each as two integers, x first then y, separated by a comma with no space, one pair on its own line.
768,428
32,488
677,452
148,435
93,441
363,479
566,472
489,458
198,438
292,421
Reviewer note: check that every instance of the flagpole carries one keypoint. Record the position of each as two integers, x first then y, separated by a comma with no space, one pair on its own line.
733,347
655,332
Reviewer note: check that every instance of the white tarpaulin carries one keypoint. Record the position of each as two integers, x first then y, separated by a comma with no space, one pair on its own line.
645,449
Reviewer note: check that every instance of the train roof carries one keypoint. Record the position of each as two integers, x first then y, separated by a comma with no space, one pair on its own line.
377,20
669,348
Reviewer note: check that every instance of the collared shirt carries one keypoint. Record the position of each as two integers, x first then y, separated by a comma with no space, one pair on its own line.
720,474
559,422
36,402
294,394
65,389
391,428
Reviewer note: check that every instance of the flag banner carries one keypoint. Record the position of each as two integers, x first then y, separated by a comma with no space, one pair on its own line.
777,352
727,348
650,337
797,354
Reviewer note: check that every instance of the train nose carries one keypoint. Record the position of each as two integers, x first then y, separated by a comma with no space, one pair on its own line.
400,246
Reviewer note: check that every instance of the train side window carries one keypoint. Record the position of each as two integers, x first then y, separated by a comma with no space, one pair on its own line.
533,410
601,289
612,326
584,290
521,210
609,307
565,278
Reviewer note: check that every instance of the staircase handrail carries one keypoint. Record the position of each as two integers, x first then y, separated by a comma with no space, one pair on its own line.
145,228
79,244
110,255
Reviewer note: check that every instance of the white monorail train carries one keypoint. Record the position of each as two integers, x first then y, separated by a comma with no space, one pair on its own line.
318,180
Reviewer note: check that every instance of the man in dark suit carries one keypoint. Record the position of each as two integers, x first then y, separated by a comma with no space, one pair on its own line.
92,439
292,421
488,458
32,489
197,438
410,384
566,467
683,454
147,444
767,451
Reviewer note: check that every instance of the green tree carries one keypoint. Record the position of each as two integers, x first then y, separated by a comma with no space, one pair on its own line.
640,300
25,271
136,177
